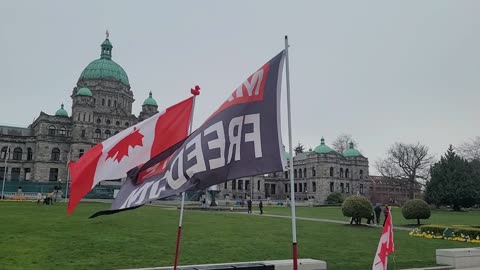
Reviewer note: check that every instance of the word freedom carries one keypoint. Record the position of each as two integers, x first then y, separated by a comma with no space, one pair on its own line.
192,154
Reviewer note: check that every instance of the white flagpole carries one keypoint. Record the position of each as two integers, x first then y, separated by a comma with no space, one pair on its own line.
180,222
7,154
292,193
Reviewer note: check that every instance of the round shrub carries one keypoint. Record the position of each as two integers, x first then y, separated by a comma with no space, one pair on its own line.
335,198
357,207
416,209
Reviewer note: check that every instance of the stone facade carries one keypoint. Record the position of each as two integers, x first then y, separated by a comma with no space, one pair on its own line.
316,176
101,109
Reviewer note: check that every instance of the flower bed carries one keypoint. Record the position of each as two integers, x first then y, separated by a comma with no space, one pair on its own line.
460,233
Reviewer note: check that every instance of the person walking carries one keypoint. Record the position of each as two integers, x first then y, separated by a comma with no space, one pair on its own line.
386,212
260,206
378,212
249,206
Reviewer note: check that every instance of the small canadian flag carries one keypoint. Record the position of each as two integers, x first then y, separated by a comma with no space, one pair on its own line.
114,157
385,246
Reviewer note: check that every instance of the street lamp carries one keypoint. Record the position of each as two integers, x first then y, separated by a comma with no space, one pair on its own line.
58,188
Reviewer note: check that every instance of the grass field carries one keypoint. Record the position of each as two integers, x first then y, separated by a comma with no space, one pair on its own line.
42,237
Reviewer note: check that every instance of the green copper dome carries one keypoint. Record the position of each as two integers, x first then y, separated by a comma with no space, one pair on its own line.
322,148
61,112
286,155
351,152
150,101
105,67
84,92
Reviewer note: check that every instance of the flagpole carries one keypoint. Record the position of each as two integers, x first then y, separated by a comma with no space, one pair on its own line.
68,174
292,188
7,154
195,92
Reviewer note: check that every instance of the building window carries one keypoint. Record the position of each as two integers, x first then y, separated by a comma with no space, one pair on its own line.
103,102
17,153
127,124
109,103
234,184
55,154
98,134
272,189
305,172
347,188
286,174
304,187
314,173
53,175
27,174
342,188
240,184
115,103
51,130
331,171
99,121
3,173
83,133
295,173
225,186
300,173
62,131
117,123
107,134
347,173
332,187
247,184
89,119
108,122
29,154
15,174
84,116
361,188
286,188
78,117
258,185
80,153
300,187
3,153
361,174
314,186
341,172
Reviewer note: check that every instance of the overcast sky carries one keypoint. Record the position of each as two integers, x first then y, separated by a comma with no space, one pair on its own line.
382,71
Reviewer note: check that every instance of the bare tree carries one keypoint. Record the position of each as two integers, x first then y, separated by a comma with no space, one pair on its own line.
341,143
407,162
470,150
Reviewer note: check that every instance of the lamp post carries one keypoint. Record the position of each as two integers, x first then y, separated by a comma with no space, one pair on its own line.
7,154
58,188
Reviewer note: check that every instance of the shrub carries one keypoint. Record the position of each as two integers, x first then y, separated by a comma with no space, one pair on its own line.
416,209
335,198
357,207
458,230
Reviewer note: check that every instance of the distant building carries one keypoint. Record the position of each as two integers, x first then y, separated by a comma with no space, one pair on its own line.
317,174
102,106
387,190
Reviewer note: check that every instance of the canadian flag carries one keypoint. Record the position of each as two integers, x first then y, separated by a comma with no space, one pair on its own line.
114,157
385,246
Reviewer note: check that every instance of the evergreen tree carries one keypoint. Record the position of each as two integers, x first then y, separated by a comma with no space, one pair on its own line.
452,182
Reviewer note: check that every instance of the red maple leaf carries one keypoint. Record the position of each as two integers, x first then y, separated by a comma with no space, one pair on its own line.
120,150
382,254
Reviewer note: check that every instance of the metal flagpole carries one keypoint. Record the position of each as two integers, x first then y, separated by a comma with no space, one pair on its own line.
68,174
7,154
195,92
292,189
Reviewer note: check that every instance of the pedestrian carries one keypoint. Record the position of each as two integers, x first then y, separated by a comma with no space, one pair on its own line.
204,203
260,206
378,212
39,197
249,206
386,211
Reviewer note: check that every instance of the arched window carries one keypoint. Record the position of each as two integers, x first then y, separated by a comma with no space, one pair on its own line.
127,124
51,130
17,153
3,153
55,154
89,119
62,131
83,133
300,173
331,171
98,134
83,117
108,122
103,102
314,173
347,173
107,134
361,174
29,154
295,173
117,123
99,120
305,172
341,172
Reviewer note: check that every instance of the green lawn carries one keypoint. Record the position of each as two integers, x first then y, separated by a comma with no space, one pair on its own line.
444,217
43,237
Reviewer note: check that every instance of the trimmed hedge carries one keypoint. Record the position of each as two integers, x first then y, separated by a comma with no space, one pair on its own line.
357,207
416,209
335,198
458,230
